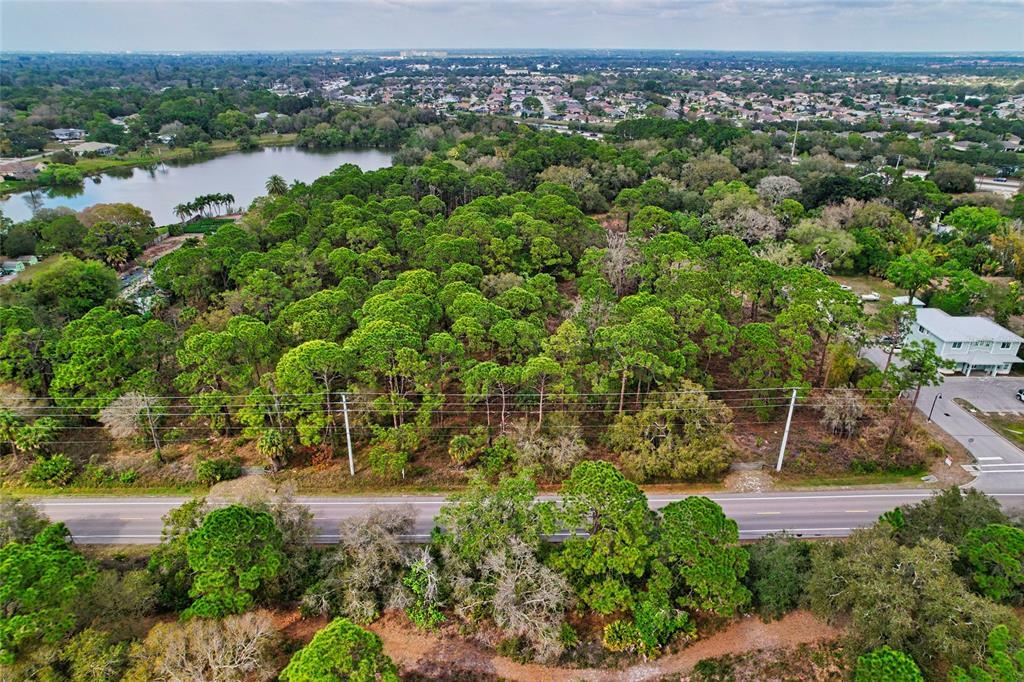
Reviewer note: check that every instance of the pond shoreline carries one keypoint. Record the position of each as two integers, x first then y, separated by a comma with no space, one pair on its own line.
100,165
157,183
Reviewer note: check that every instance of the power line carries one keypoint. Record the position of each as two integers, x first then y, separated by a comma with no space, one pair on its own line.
461,394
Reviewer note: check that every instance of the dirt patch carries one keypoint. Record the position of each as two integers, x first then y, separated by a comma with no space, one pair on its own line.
822,662
749,481
157,251
293,626
446,656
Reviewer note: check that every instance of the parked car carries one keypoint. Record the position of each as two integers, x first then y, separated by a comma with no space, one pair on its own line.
1020,394
873,296
846,287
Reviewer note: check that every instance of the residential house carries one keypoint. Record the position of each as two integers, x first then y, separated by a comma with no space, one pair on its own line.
973,343
67,134
99,148
20,170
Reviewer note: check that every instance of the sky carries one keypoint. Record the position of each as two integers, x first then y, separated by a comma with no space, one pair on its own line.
267,25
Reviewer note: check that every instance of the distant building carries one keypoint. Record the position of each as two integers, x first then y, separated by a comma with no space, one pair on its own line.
20,170
101,148
972,342
67,134
905,300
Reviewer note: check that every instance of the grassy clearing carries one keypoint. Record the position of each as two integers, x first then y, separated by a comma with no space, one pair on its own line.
834,480
1010,427
22,490
865,284
33,271
206,225
8,186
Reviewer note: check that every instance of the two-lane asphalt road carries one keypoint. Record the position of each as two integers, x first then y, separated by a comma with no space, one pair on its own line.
138,520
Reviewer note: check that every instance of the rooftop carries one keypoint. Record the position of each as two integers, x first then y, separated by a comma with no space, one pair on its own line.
968,328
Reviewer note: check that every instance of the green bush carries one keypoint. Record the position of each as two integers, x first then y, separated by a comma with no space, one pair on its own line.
715,670
341,651
779,568
498,457
994,556
233,552
58,174
56,470
387,462
423,611
886,665
210,471
128,477
96,476
462,449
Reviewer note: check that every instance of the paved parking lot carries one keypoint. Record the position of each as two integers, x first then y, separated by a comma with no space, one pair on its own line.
988,394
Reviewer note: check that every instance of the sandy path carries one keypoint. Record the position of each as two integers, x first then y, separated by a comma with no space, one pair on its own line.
425,652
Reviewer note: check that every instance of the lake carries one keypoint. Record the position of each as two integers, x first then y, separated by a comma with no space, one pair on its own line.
161,188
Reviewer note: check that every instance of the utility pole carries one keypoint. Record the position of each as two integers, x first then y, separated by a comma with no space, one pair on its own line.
152,429
348,435
785,434
792,149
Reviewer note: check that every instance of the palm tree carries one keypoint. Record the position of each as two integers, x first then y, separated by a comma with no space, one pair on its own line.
182,211
276,186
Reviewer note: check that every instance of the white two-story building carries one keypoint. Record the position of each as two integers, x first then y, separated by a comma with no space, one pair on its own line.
975,344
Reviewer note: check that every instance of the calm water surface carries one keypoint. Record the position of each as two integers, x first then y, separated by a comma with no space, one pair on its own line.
160,189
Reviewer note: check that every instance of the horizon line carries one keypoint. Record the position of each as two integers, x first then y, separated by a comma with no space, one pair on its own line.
457,51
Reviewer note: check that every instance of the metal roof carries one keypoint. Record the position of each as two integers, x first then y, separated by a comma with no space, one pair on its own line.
968,328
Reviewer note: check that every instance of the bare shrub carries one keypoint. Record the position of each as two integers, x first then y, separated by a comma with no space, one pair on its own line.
527,599
362,575
620,257
233,649
128,415
552,454
841,411
19,520
774,188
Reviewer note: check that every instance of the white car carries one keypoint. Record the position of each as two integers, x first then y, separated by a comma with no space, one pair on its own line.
846,287
873,296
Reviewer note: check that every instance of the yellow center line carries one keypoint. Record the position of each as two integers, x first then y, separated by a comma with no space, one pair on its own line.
131,518
768,513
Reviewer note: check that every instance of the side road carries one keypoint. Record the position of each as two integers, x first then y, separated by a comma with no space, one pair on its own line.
999,464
